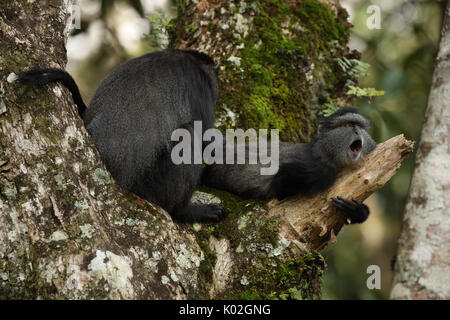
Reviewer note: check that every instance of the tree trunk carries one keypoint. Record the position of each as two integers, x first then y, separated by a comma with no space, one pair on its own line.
67,231
422,269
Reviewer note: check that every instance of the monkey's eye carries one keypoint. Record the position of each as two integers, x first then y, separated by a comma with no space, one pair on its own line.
348,125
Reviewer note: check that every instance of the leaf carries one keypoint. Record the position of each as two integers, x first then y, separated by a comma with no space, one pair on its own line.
364,92
329,108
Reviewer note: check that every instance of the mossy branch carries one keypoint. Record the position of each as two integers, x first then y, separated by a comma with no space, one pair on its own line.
311,222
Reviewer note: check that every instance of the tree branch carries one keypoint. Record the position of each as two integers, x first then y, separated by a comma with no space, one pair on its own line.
311,228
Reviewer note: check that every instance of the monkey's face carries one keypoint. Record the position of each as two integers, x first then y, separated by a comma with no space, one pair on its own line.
345,141
358,140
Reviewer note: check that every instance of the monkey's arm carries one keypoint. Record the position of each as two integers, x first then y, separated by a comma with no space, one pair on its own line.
247,180
300,172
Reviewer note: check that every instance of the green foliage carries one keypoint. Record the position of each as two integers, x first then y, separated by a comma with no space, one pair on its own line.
355,69
364,92
160,24
329,108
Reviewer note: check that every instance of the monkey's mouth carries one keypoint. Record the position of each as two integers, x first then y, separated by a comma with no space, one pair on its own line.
356,146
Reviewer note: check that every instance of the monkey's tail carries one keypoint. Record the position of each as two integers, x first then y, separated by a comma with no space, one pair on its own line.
41,77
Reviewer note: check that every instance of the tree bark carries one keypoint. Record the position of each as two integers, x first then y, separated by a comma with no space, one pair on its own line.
66,229
422,269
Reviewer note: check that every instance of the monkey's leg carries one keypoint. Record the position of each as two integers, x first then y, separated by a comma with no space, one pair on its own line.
199,213
356,211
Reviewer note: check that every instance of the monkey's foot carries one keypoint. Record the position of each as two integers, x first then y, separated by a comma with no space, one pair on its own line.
199,213
354,210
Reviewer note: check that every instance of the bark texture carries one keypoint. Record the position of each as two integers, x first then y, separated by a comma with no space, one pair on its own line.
66,230
422,268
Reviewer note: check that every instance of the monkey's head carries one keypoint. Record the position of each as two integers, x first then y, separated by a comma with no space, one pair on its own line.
342,138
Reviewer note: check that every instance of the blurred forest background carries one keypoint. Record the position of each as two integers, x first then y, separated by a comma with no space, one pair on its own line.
401,56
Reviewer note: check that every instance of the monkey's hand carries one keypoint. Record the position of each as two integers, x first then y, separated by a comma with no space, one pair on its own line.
199,213
355,211
211,213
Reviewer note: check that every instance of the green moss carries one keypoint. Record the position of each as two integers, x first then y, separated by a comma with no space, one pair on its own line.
321,21
237,227
300,274
298,278
252,235
15,60
288,42
43,124
22,277
206,265
269,230
235,208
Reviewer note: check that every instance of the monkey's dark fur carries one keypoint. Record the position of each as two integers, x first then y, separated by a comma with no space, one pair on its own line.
137,107
132,116
341,142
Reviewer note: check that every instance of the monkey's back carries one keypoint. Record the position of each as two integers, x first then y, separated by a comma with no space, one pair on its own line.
133,114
